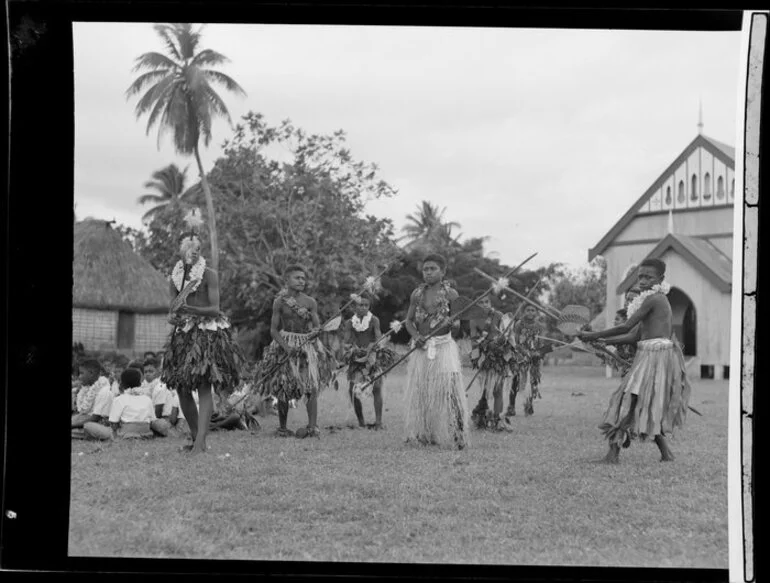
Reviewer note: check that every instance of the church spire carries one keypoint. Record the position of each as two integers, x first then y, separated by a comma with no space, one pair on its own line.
700,116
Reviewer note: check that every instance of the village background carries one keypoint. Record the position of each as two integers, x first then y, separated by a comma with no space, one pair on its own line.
481,167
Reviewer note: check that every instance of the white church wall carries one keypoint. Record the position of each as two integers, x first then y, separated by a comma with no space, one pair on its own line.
712,310
696,223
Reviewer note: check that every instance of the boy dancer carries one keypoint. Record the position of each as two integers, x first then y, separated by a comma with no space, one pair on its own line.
528,356
437,411
365,358
489,351
652,399
201,353
309,368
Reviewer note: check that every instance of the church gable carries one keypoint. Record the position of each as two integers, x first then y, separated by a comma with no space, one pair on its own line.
711,263
702,176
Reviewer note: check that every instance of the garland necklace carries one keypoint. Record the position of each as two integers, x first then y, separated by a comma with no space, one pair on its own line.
361,324
196,274
636,303
440,308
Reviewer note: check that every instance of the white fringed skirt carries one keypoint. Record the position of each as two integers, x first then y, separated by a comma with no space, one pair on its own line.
436,407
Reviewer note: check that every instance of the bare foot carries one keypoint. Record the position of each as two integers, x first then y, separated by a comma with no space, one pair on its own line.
198,450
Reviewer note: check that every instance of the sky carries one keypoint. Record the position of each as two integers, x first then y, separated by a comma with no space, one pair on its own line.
539,139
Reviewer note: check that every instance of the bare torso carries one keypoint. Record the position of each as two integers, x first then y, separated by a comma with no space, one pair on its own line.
291,321
658,321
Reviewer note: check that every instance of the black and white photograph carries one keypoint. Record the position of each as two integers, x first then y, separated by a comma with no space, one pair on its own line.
408,294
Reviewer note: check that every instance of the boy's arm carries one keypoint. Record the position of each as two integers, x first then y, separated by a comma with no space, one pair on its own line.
275,323
158,411
174,416
314,318
631,338
410,325
114,427
636,318
377,331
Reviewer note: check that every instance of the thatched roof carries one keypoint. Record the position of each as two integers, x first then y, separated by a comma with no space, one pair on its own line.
109,275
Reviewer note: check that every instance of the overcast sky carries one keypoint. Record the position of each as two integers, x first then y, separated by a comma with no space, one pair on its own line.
539,139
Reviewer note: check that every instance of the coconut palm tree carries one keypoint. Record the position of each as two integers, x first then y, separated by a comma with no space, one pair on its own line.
428,225
168,184
179,97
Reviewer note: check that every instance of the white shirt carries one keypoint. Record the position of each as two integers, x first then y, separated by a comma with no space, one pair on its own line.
158,392
132,409
103,401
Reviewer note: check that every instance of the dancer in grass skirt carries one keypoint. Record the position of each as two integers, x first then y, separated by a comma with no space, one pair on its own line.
436,408
652,399
309,368
365,357
491,353
527,361
200,354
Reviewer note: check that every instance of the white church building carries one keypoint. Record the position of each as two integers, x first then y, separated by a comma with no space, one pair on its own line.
684,218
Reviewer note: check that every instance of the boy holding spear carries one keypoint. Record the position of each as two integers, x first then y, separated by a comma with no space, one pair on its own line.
653,398
365,356
437,412
309,367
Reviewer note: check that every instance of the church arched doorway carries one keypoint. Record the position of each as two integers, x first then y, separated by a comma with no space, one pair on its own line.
684,319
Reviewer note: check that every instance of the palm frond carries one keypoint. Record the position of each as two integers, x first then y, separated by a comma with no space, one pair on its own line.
209,57
223,79
166,32
144,80
187,38
151,198
150,214
153,94
153,61
161,104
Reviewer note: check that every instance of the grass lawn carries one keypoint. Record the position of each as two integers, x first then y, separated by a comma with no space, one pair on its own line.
528,497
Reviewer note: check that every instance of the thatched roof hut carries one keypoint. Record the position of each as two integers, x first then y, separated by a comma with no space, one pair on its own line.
109,275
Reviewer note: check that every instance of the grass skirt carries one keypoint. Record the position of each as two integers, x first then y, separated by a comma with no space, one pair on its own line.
361,372
659,380
308,373
201,350
436,408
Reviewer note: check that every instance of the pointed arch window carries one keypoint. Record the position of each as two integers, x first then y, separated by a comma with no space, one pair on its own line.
720,188
669,199
707,186
694,187
680,196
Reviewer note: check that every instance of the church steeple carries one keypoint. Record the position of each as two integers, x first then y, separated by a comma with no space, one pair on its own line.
700,117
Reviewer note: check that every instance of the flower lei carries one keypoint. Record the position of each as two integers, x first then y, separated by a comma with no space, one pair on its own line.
87,395
636,303
196,274
138,391
359,324
440,309
302,312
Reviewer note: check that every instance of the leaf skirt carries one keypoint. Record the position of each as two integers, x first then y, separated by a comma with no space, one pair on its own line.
202,352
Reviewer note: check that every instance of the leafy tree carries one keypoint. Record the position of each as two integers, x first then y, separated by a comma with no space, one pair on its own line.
179,97
584,287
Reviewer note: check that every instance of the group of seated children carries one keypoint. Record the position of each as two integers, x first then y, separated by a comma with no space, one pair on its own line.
133,402
137,404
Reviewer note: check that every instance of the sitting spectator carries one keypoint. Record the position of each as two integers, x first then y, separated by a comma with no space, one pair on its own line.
132,414
156,389
92,383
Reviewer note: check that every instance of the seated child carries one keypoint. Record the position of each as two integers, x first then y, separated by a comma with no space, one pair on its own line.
157,391
92,383
132,414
